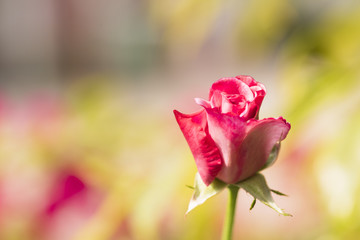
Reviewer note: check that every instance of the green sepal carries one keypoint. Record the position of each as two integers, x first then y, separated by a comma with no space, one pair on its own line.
203,192
257,187
272,156
253,204
278,193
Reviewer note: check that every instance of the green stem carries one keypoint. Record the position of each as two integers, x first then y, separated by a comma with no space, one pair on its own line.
230,213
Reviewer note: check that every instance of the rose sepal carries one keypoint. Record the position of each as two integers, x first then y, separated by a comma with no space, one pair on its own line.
203,192
257,187
272,156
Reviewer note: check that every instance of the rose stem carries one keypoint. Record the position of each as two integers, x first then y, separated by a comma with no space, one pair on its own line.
230,213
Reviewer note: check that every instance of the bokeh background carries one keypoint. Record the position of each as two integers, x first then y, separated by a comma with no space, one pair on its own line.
89,147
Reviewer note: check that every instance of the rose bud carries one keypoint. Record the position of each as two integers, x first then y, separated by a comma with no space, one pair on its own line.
226,138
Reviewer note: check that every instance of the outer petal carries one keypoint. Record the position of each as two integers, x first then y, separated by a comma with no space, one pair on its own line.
244,145
261,137
228,132
207,156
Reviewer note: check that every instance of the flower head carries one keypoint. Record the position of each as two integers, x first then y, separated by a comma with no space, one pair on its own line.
226,138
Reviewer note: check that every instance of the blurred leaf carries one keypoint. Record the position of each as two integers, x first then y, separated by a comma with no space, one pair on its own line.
265,27
190,24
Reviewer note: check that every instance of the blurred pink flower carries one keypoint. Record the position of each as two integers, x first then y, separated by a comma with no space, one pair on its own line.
70,205
226,138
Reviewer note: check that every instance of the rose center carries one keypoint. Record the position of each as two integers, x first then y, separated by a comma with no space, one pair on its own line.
235,98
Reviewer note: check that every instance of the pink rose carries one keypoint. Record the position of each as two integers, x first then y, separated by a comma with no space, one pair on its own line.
226,138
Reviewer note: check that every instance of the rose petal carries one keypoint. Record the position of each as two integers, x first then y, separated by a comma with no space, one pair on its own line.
216,99
248,80
256,88
228,133
207,156
261,136
246,112
251,111
203,102
245,145
246,87
232,86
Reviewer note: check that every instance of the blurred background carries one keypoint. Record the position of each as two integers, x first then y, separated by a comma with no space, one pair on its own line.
89,146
